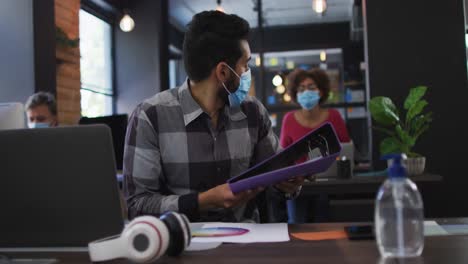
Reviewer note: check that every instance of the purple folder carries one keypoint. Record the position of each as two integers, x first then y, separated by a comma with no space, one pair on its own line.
281,166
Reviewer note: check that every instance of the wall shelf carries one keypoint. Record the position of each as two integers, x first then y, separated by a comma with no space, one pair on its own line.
290,107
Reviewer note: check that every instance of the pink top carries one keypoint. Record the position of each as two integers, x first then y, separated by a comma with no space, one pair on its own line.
291,130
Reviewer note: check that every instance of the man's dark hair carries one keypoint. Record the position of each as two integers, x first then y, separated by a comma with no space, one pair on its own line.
42,98
212,37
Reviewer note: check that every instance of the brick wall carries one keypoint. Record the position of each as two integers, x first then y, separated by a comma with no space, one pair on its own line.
68,63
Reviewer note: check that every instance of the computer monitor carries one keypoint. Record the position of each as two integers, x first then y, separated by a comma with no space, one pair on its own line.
58,188
12,116
118,126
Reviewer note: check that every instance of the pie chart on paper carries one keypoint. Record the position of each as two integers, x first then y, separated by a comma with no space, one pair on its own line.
219,232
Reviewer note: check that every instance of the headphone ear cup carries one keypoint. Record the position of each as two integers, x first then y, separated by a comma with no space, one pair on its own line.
179,231
147,239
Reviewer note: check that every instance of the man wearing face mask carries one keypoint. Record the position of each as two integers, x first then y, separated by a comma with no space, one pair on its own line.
182,145
41,110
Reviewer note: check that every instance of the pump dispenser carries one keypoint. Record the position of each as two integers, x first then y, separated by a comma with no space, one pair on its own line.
399,213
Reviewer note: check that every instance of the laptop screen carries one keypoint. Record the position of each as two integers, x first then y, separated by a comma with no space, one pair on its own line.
58,187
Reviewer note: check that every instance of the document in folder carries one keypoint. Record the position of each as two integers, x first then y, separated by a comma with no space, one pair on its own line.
281,166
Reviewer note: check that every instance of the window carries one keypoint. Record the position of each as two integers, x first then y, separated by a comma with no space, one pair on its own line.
177,73
96,66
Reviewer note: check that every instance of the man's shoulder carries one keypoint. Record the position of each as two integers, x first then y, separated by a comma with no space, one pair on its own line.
251,102
150,106
164,98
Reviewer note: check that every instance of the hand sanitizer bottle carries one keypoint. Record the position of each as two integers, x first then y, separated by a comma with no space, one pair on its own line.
399,214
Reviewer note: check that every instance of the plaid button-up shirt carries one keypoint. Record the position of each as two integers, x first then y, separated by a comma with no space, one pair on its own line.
172,152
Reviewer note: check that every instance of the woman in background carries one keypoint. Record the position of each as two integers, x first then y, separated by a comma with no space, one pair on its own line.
310,89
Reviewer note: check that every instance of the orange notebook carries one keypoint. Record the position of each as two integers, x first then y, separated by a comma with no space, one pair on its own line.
322,235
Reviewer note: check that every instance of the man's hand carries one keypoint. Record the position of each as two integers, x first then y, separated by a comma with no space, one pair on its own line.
221,196
290,186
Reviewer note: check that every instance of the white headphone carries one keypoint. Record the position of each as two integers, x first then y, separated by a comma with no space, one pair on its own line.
144,239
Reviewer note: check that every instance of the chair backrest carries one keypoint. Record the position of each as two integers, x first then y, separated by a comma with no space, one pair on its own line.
118,126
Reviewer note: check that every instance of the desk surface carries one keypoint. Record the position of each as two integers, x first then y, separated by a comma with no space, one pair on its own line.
359,184
441,249
372,179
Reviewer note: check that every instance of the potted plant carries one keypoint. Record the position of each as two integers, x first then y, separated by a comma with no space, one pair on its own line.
402,130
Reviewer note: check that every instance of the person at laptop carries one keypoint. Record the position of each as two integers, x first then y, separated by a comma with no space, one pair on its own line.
310,89
183,144
41,110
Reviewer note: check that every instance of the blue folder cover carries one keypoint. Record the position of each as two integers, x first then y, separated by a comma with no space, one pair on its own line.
281,166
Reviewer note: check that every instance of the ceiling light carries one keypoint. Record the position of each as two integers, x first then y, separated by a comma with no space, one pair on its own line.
323,56
287,98
126,23
319,6
280,89
277,80
219,7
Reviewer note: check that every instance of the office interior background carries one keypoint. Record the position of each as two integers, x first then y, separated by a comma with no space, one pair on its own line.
78,51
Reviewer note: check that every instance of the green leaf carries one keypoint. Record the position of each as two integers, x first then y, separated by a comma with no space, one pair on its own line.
390,145
388,132
383,111
421,131
415,94
419,121
415,110
405,138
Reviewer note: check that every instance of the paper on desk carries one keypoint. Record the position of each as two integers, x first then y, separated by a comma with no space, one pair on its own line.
257,233
200,246
431,228
456,229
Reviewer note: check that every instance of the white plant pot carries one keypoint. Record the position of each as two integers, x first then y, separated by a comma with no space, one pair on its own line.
414,166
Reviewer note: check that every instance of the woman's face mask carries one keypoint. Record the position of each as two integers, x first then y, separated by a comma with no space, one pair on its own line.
236,98
308,99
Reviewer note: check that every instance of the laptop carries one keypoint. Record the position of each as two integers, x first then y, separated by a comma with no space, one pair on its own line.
58,188
12,116
347,150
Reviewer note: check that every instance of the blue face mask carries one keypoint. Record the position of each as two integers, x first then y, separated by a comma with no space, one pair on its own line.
308,99
38,125
236,98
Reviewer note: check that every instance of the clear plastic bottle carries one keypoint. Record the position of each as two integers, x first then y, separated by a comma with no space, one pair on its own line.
399,214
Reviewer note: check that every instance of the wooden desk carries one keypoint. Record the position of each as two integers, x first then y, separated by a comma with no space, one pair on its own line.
442,249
